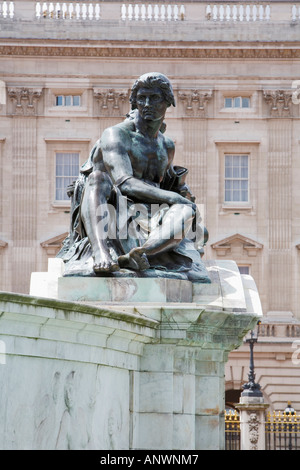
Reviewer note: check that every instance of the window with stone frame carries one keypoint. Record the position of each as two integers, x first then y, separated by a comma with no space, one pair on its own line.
244,269
66,171
237,102
236,178
67,100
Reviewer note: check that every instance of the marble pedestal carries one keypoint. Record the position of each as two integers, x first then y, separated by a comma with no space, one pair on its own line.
120,363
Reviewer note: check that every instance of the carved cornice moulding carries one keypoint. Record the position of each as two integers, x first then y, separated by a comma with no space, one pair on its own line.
150,51
54,244
224,246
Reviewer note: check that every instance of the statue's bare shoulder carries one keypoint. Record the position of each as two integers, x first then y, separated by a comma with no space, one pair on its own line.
114,148
117,136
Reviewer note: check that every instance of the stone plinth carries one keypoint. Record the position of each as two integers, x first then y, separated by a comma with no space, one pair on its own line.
140,371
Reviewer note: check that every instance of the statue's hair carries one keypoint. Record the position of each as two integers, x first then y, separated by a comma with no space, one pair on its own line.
151,80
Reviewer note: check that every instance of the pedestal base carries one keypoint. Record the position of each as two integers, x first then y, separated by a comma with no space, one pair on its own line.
143,369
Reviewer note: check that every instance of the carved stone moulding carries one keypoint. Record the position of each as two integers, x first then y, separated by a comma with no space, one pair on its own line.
54,244
223,247
279,101
24,100
152,51
195,102
111,101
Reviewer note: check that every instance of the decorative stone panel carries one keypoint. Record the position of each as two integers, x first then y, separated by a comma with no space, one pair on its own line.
111,102
280,102
24,100
194,102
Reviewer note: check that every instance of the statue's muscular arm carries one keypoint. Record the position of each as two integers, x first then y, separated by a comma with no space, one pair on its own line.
115,147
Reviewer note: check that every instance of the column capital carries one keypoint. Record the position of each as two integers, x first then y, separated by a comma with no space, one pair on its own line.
24,100
111,100
195,101
280,102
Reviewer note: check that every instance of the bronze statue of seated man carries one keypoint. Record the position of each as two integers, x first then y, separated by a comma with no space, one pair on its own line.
132,213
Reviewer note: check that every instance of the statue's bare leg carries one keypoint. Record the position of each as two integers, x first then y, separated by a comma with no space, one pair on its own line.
175,224
94,206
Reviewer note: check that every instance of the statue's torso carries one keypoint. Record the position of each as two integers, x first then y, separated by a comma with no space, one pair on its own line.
149,157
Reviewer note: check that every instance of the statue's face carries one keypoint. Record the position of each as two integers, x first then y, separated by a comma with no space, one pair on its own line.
151,103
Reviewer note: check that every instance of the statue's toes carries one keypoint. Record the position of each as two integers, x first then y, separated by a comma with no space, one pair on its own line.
114,266
106,266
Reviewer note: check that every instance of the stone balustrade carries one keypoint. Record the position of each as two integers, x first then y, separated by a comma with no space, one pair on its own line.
279,330
68,10
7,9
295,12
238,12
233,12
151,12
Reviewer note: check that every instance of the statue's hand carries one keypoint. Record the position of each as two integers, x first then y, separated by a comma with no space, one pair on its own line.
178,199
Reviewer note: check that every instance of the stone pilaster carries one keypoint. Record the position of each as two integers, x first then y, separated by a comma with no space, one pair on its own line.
23,108
193,106
280,200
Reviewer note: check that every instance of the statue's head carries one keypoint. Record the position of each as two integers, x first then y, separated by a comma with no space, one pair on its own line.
151,80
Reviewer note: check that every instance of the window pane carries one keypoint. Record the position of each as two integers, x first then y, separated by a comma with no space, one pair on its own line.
59,170
59,100
76,100
228,102
244,269
59,183
236,184
246,102
237,102
236,172
68,100
228,184
228,197
236,160
236,196
74,157
58,195
236,178
228,160
67,169
244,196
59,158
244,172
244,160
228,172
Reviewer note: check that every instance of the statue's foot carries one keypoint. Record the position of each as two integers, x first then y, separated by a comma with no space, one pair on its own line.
103,262
136,259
